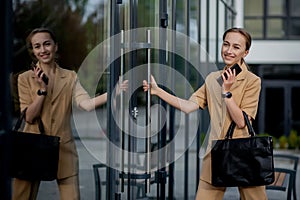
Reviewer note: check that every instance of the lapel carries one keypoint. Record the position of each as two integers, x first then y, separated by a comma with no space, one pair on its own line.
60,82
215,88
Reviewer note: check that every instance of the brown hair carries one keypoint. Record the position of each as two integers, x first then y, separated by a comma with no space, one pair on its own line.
242,32
32,33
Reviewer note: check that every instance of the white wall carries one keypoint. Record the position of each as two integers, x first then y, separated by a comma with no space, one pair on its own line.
274,52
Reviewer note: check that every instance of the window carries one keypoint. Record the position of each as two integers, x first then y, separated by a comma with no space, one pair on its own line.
273,19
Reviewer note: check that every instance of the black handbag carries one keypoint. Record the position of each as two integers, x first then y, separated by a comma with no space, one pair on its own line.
242,161
33,156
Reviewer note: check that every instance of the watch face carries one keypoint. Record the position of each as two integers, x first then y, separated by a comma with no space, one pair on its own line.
39,92
228,95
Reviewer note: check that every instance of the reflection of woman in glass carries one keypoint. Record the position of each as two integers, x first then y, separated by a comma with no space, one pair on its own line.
225,104
52,102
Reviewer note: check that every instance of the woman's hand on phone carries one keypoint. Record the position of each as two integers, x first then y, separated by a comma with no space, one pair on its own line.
228,79
39,76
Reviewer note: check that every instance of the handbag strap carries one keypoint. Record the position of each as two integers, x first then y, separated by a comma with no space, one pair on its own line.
249,126
19,121
231,128
22,117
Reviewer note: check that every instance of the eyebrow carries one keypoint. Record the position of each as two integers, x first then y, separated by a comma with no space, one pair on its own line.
42,42
235,44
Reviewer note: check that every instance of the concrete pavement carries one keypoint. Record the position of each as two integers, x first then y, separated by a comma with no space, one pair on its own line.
49,191
91,146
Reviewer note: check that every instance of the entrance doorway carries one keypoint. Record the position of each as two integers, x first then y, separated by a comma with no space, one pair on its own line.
279,108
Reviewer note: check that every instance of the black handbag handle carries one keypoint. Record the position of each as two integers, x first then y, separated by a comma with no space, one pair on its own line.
22,117
249,126
230,130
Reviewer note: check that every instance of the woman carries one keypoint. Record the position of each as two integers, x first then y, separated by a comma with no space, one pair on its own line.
225,103
52,102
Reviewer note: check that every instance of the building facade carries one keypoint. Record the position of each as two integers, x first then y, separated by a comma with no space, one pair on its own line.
183,36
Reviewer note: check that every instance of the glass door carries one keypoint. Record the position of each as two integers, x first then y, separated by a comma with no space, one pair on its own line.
136,166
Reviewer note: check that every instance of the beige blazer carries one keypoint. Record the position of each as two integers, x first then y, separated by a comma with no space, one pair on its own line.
245,92
56,113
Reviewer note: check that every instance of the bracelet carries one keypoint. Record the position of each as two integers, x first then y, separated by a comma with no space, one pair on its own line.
40,93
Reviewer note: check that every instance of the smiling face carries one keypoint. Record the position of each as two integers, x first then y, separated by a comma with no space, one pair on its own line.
234,48
43,47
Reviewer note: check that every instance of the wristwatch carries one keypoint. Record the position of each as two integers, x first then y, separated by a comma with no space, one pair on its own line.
40,93
227,95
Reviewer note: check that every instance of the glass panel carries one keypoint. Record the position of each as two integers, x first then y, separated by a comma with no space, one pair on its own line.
273,121
193,20
294,8
180,17
84,18
276,7
275,28
295,109
254,7
147,13
255,27
294,29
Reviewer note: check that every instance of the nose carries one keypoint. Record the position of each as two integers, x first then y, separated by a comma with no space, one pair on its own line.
229,49
43,48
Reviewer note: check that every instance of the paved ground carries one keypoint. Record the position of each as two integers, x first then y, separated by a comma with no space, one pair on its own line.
48,190
92,149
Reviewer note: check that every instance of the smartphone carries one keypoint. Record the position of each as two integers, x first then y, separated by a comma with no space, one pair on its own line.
44,77
237,68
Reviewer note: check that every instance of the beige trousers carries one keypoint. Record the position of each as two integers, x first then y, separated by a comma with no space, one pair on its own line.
28,190
207,191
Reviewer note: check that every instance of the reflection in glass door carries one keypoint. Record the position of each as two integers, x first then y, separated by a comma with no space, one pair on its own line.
134,175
